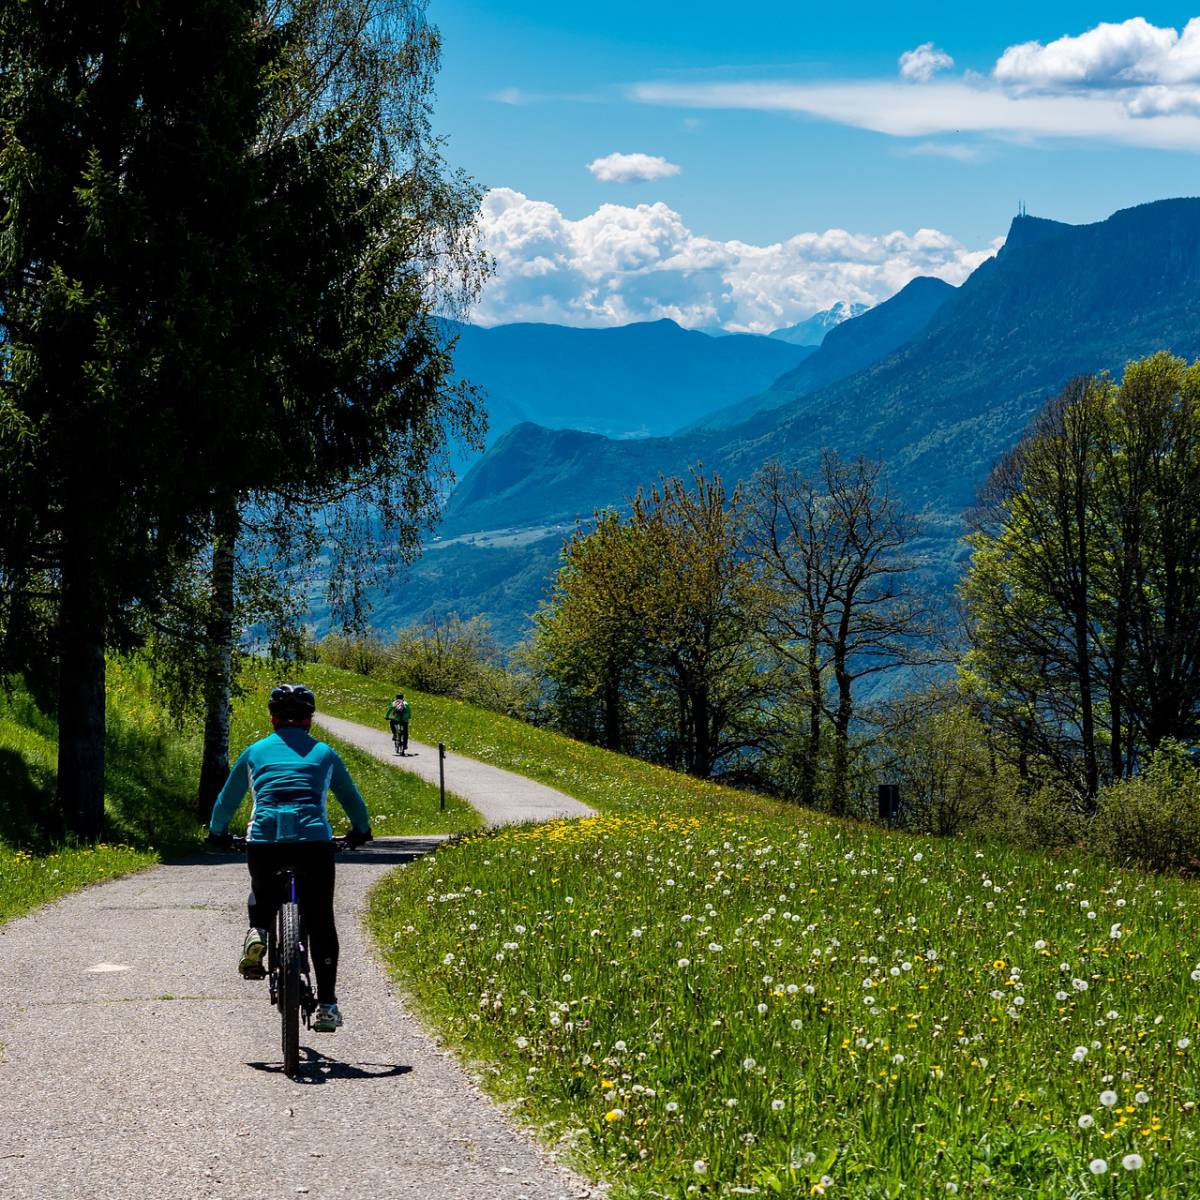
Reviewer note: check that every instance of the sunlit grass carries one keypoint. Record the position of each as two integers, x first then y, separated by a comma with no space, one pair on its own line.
746,1004
28,880
708,994
609,782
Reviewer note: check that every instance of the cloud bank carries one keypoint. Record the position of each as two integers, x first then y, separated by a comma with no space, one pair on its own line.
622,264
631,168
1131,83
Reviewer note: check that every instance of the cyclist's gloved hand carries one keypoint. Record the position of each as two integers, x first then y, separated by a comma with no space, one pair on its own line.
354,839
219,841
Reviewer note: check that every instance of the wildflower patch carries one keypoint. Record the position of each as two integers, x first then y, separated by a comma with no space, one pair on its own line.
740,1003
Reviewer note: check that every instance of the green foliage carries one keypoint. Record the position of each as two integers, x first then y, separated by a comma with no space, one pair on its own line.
652,636
443,658
609,782
1044,817
28,880
1084,620
946,768
1153,819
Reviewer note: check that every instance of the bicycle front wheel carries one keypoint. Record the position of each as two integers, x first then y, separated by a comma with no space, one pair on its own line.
289,985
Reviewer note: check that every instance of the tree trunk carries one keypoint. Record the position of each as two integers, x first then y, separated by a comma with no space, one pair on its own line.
81,716
612,709
218,667
812,756
702,759
841,741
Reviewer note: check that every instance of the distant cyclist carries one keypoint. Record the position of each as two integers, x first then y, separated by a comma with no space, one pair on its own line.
289,775
399,714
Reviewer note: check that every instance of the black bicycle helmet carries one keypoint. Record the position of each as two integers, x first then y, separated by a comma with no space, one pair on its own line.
292,701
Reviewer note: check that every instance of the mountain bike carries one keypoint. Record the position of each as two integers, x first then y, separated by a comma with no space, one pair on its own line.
400,736
288,976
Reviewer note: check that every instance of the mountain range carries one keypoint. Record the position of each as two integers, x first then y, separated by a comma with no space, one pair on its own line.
937,382
644,379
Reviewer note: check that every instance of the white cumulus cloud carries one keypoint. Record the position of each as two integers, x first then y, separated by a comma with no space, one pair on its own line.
923,63
631,168
621,264
1110,55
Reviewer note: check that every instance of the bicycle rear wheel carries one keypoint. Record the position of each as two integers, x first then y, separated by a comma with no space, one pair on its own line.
289,985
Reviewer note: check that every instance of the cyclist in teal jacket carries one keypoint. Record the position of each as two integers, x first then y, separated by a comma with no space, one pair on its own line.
289,775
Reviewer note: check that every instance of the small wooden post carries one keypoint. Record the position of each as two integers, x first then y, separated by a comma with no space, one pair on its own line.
442,776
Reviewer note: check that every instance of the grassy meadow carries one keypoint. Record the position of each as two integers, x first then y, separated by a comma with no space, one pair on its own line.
701,993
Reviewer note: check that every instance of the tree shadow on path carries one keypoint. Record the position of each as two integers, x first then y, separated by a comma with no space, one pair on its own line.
385,851
320,1068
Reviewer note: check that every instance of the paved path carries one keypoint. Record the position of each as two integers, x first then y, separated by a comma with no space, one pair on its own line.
501,796
134,1061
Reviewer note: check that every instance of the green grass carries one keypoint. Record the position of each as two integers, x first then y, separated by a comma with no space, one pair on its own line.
609,782
399,803
151,773
708,994
28,880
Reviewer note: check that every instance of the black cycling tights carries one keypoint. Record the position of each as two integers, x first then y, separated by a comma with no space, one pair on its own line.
314,873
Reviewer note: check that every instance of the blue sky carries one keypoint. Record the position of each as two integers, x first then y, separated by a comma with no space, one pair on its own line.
792,119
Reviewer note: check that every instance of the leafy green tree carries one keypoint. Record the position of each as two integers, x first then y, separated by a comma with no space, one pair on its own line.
128,206
353,98
842,602
701,609
590,637
196,312
1032,586
653,626
1083,593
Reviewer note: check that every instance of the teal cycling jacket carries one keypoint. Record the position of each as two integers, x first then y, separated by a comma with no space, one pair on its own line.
289,776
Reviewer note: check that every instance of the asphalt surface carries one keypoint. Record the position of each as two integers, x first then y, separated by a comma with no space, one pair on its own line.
501,796
135,1061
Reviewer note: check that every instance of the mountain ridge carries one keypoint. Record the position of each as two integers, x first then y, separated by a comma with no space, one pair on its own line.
848,347
949,401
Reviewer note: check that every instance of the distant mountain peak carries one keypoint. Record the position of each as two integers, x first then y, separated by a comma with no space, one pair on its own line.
811,332
1026,230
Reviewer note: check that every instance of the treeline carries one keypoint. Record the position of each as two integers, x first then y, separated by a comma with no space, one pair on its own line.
450,657
729,634
743,635
226,234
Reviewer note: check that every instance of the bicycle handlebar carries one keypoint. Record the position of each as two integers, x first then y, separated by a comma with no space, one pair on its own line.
339,843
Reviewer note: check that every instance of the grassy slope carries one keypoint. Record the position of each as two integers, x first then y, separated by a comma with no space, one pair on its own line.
610,782
151,772
707,994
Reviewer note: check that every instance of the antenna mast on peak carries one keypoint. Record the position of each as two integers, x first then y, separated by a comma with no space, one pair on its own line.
1022,211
